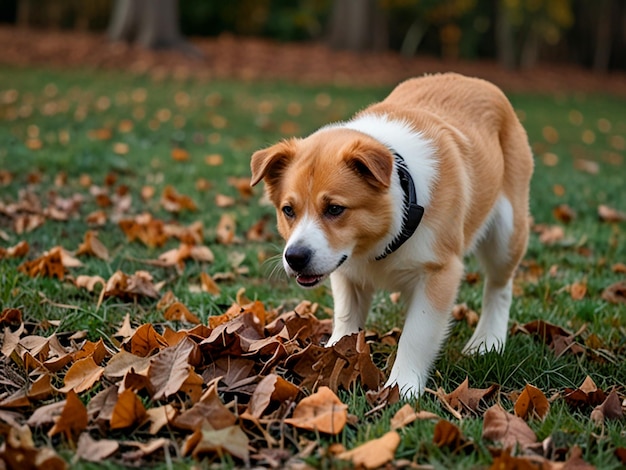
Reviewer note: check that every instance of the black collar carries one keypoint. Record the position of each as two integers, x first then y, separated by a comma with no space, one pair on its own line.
413,212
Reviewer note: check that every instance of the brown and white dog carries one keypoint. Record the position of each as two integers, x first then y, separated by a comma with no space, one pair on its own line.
349,199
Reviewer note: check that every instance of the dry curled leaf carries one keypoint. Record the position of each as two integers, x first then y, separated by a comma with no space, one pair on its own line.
375,453
531,403
323,412
507,429
611,408
615,293
17,251
609,214
93,246
407,414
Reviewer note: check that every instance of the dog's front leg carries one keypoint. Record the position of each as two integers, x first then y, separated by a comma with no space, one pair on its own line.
426,327
351,304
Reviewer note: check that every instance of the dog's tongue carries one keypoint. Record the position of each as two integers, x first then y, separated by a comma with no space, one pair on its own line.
307,280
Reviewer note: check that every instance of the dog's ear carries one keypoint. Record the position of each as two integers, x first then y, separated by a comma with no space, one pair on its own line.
373,162
270,163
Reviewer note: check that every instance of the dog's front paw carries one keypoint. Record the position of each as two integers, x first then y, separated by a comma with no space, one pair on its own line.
483,344
410,385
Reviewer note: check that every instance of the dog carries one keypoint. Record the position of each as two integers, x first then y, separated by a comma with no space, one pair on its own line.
395,197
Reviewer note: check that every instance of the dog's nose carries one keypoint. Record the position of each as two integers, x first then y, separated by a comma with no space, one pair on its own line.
298,257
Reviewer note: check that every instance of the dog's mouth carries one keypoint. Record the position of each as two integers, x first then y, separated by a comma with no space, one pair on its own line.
311,280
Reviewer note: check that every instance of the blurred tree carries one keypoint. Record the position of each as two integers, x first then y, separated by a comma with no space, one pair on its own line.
357,25
524,25
150,23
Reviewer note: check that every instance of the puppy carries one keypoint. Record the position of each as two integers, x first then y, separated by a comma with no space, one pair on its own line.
393,199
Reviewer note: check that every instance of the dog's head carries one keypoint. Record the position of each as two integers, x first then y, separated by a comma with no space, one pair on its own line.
331,192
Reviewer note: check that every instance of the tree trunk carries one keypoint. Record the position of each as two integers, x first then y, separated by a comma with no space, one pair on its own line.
602,52
505,44
358,25
150,23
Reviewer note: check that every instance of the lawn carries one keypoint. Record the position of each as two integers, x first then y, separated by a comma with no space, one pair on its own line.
108,144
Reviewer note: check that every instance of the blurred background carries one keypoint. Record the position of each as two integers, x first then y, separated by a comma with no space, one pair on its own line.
515,34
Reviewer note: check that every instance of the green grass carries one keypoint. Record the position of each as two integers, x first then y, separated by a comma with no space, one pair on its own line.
233,119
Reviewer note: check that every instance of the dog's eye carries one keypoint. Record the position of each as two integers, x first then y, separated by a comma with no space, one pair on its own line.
288,211
334,210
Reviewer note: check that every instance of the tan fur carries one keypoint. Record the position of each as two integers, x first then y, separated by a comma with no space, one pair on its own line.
482,156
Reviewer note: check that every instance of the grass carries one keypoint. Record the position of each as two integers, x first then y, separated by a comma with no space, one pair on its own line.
232,119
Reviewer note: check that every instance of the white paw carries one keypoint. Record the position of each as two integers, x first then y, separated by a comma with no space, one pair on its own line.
483,344
411,384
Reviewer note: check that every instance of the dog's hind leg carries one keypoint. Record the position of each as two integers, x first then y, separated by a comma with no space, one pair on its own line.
499,252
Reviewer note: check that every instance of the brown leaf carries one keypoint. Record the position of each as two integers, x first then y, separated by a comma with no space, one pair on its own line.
128,411
608,214
19,451
130,287
210,409
11,316
95,451
145,341
375,453
611,408
588,394
506,461
180,154
531,403
549,235
73,419
93,246
178,312
225,231
89,282
50,264
208,284
322,412
507,429
271,388
578,290
172,201
469,399
83,375
231,440
615,293
169,369
160,416
448,435
407,414
16,251
564,213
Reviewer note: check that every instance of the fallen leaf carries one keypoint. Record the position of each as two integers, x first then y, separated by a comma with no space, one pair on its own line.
160,416
507,429
172,201
531,403
271,388
611,408
578,290
95,450
89,282
231,440
169,369
16,251
93,246
615,293
322,412
448,435
375,453
179,312
609,214
208,284
50,264
128,411
407,414
225,231
564,213
469,399
73,419
82,375
588,394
